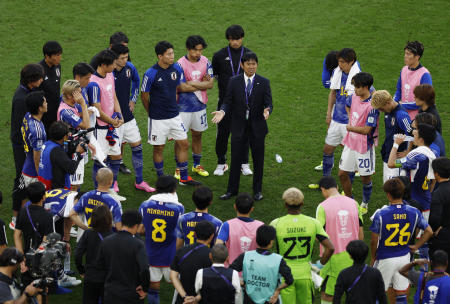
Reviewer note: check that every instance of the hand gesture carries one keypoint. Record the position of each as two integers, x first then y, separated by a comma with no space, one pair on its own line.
78,97
131,104
399,138
218,116
79,149
274,297
206,77
189,300
32,291
140,291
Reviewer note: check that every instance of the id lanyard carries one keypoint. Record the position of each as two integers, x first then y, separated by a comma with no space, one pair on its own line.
100,236
231,61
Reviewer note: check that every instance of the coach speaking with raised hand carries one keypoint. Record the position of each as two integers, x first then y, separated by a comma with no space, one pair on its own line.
249,102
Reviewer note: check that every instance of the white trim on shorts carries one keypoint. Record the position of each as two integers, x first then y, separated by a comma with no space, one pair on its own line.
352,161
159,130
336,133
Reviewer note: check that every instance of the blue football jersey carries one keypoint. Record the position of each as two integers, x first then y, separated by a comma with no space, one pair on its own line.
188,221
160,221
416,165
127,88
34,136
396,122
56,201
94,198
161,84
340,113
435,291
69,116
395,224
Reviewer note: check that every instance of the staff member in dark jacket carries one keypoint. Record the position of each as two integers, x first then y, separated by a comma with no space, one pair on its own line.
123,258
360,282
31,77
439,219
226,63
55,166
249,103
89,244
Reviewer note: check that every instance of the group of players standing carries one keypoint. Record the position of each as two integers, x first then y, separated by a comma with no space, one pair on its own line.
352,115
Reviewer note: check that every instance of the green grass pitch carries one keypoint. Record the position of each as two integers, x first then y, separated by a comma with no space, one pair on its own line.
290,37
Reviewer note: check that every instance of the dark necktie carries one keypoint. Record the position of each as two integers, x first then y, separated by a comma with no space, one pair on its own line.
249,87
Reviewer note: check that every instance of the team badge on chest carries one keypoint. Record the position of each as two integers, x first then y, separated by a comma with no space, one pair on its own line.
128,73
173,75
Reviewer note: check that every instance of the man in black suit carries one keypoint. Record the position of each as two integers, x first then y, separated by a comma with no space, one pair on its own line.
249,102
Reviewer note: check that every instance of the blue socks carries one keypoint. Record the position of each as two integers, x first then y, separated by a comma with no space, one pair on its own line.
114,165
138,163
196,158
183,170
153,296
159,167
328,162
352,176
367,192
401,299
95,169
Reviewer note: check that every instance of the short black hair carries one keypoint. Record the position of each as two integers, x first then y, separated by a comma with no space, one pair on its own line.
347,54
439,258
219,253
31,73
101,219
202,197
264,235
244,203
166,184
441,165
234,31
130,218
427,133
119,49
327,182
34,100
58,130
162,46
11,256
204,230
82,69
52,48
331,61
426,118
106,57
407,183
362,79
358,251
249,56
394,187
35,192
194,40
415,47
118,37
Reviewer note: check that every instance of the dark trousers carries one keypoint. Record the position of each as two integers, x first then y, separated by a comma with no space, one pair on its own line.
238,150
223,133
92,292
18,193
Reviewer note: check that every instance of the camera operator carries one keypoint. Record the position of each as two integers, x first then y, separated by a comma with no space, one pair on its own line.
10,260
55,166
73,111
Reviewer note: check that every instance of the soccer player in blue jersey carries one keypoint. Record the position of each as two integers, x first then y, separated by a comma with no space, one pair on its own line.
96,197
202,198
396,121
158,94
34,135
199,74
337,118
160,214
330,62
392,228
126,80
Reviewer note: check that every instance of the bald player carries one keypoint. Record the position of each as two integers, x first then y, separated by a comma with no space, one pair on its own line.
97,197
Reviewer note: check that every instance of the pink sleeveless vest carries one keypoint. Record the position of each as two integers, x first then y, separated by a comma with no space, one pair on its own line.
195,71
410,80
107,91
342,221
65,106
241,238
359,111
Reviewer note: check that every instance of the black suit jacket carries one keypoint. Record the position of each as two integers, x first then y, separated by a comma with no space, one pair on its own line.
235,105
